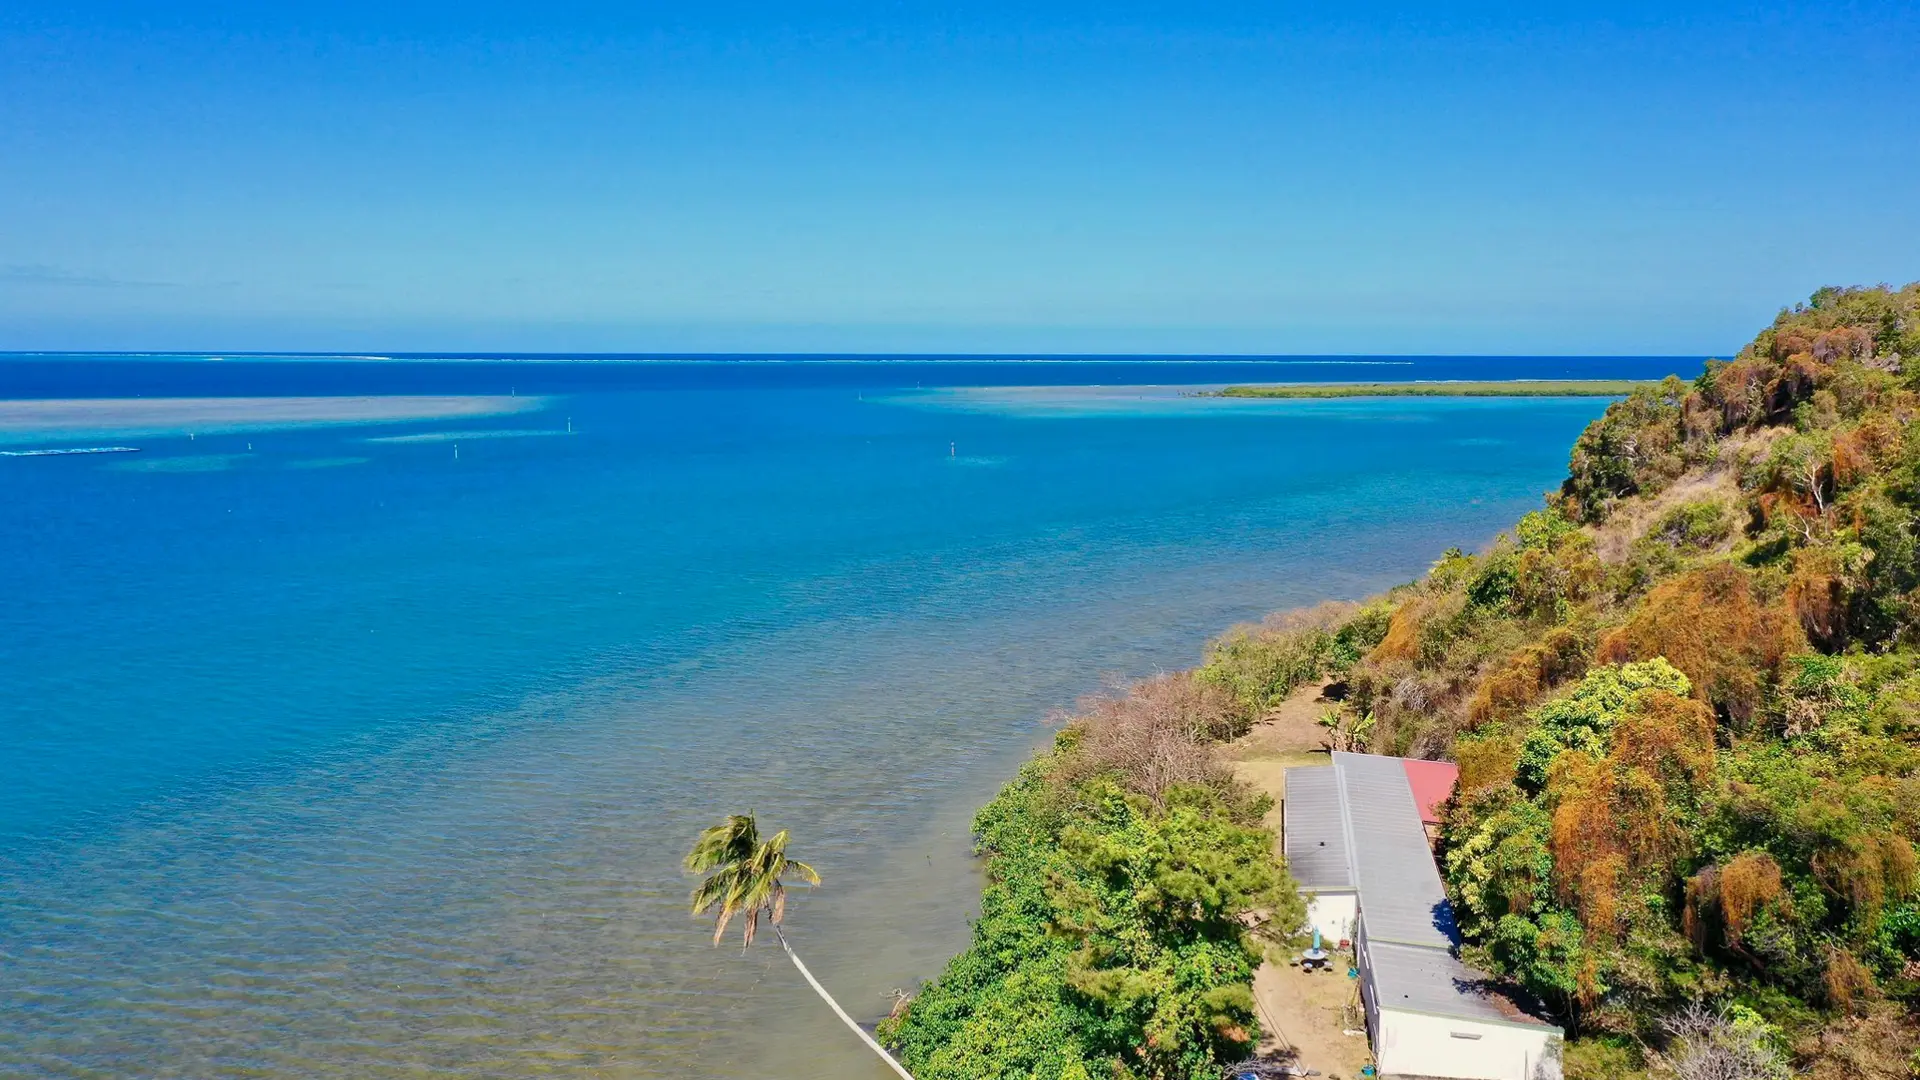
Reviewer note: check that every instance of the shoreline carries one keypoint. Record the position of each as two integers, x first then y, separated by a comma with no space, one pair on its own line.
1518,388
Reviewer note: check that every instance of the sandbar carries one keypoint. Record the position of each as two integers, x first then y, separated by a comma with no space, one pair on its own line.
21,420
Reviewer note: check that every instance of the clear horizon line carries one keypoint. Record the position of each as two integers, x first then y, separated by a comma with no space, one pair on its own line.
1380,359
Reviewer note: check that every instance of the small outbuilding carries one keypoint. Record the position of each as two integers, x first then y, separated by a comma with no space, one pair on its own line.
1360,829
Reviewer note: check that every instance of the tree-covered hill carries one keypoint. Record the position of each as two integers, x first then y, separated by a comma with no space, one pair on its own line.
1685,699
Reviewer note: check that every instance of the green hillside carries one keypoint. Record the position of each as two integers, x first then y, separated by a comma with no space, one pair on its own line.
1685,699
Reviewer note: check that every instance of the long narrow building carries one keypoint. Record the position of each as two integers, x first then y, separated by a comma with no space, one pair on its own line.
1356,835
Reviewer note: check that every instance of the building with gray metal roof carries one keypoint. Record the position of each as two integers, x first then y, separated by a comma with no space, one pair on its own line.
1355,830
1393,864
1313,836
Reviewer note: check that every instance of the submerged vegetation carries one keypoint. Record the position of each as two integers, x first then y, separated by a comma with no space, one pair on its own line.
1492,388
1685,701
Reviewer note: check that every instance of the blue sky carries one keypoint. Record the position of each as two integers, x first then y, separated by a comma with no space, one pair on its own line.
1119,177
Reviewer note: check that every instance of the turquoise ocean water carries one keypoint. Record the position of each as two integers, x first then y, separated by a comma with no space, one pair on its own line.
369,749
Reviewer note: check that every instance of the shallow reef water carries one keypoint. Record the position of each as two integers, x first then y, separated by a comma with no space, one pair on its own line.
369,749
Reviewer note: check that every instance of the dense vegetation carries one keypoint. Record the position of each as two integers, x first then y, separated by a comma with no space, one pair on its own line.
1131,889
1686,702
1685,699
1502,388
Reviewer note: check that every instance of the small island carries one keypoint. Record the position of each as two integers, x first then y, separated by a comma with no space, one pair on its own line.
1496,388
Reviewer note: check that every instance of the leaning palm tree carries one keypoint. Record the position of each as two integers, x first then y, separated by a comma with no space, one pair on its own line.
747,878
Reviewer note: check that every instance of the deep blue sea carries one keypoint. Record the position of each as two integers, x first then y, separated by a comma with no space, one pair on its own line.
368,747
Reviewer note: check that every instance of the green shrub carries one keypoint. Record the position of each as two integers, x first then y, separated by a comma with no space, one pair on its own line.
1634,448
1258,670
1112,940
1583,720
1694,526
1603,1059
1358,636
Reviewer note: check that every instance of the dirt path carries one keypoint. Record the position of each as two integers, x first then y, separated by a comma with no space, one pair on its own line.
1304,1015
1289,736
1292,728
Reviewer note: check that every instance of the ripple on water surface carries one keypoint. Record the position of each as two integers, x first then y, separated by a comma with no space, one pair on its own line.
388,770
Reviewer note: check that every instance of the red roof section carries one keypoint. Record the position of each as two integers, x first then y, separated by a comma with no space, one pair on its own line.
1432,783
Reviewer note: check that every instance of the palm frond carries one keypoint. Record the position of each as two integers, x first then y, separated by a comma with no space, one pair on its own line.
710,892
731,841
747,876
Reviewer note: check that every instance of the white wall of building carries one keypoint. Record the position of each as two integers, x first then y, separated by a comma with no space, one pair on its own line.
1416,1044
1332,914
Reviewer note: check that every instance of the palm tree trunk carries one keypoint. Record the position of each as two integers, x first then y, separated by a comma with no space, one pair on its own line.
835,1006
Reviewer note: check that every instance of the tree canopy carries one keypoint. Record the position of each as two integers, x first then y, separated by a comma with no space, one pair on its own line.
1685,697
1131,891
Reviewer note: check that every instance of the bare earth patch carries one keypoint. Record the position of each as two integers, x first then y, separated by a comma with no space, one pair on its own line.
1306,1015
1291,728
